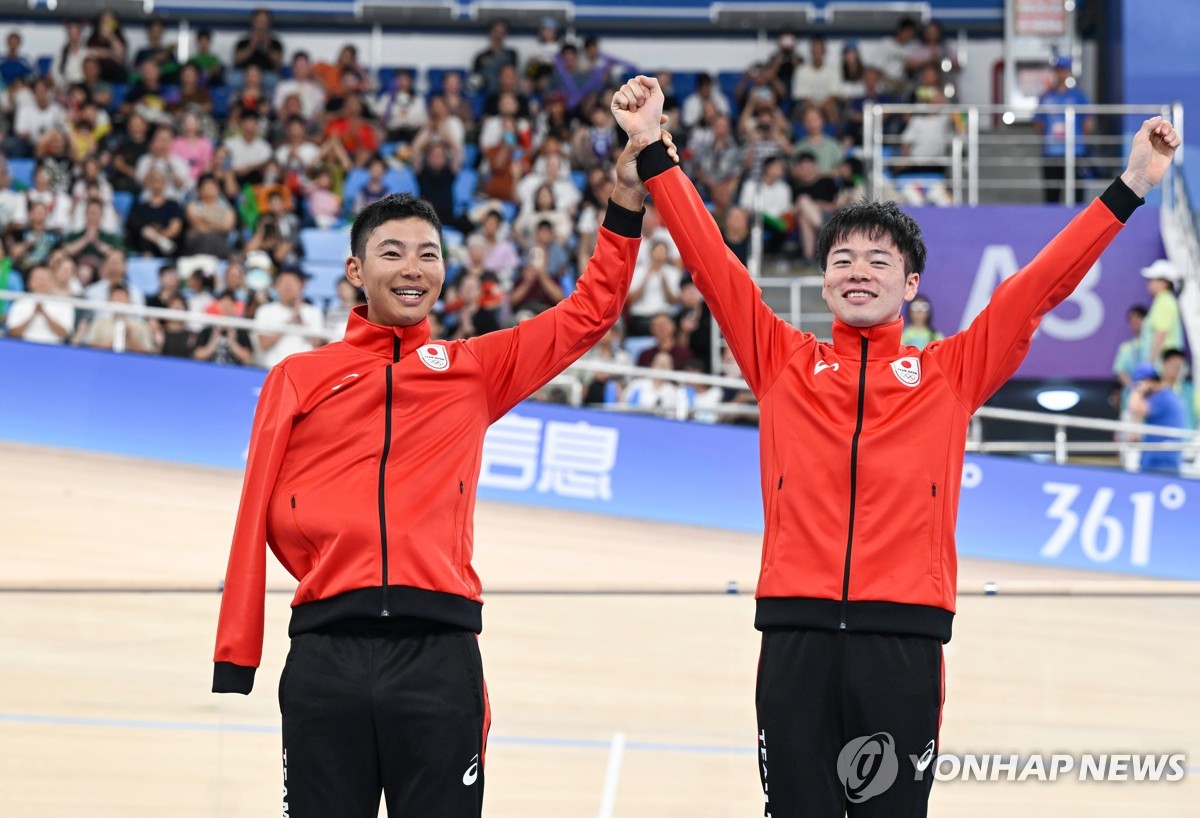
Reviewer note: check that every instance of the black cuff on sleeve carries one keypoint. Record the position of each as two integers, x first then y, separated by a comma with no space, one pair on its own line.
654,160
1121,200
623,221
231,678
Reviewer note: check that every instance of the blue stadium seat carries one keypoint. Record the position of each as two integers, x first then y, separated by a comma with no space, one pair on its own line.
464,190
21,171
637,344
400,180
221,98
452,236
324,278
684,84
44,64
122,203
143,273
321,245
471,155
355,181
387,73
119,92
579,177
434,77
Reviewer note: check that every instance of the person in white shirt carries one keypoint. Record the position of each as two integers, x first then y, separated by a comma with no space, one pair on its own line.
820,79
112,274
777,198
14,211
174,169
35,117
400,109
290,310
654,288
706,91
891,55
41,322
654,394
566,195
302,84
248,152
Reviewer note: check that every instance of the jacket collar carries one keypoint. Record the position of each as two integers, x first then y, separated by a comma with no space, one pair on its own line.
883,340
379,339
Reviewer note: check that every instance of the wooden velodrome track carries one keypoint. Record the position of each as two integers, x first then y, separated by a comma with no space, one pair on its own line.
105,708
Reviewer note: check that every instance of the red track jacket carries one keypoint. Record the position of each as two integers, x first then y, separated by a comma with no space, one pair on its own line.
861,441
365,454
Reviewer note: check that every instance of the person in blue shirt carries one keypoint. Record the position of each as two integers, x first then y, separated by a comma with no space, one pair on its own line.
1153,402
1053,127
15,66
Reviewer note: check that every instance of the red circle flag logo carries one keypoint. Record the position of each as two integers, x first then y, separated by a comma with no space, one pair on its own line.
434,356
908,371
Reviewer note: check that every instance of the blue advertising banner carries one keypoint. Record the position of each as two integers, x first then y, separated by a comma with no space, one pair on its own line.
603,462
973,249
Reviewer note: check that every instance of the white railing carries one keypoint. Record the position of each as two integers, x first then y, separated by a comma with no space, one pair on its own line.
970,148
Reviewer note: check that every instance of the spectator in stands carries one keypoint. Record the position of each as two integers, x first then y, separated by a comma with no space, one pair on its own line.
15,65
41,322
92,244
222,170
155,225
303,84
168,288
259,48
476,306
818,82
544,210
500,173
652,394
400,109
353,132
210,218
852,84
158,50
554,248
129,148
192,146
441,128
298,156
66,275
918,328
172,336
1053,127
174,169
212,69
1176,377
693,326
1163,327
771,197
1129,352
290,310
191,95
509,83
88,187
374,189
827,151
435,179
1154,403
500,254
14,212
596,145
342,78
277,232
58,204
872,93
933,52
39,114
536,290
337,314
457,105
785,60
87,129
113,275
99,89
486,67
35,243
147,95
569,78
324,206
539,66
248,152
760,86
252,95
506,127
556,175
816,200
226,346
717,160
601,387
654,290
67,69
765,132
706,93
119,332
53,155
892,54
736,232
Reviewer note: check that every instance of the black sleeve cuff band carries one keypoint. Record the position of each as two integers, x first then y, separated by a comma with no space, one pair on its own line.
654,160
623,221
1121,200
231,678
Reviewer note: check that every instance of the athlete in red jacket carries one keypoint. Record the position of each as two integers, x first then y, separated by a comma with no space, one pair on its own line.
861,448
361,478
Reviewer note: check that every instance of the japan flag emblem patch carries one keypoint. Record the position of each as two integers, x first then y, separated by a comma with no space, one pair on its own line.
434,357
908,371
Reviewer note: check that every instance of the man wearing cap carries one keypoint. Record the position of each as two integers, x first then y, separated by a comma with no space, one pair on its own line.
1155,403
861,451
290,310
1053,127
1163,328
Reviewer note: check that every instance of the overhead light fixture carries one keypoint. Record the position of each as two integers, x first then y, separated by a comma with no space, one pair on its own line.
1058,400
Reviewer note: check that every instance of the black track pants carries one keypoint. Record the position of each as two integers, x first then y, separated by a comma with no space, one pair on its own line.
848,723
403,713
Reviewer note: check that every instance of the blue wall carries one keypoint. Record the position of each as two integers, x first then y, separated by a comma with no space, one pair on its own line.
603,463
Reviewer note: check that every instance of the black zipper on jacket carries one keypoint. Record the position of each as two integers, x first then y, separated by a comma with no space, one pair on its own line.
862,397
387,447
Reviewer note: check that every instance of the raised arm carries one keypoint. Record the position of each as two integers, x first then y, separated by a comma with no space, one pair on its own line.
761,341
240,627
982,357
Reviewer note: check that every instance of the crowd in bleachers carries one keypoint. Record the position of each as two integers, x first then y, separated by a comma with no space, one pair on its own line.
223,184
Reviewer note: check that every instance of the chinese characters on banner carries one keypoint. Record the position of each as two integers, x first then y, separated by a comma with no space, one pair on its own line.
567,459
